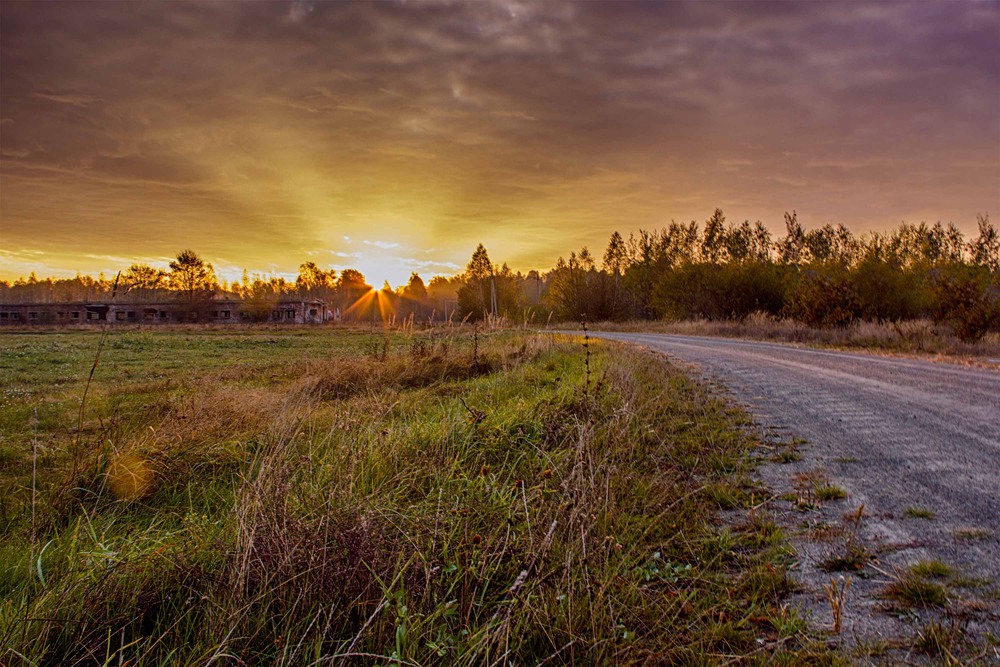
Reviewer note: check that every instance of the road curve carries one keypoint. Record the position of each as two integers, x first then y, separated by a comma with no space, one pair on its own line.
897,433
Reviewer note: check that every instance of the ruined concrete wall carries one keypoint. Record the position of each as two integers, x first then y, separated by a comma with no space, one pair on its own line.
208,312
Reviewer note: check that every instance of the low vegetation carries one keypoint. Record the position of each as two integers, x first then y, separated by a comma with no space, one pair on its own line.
920,513
917,337
941,640
828,492
971,534
932,569
850,553
920,586
821,280
311,497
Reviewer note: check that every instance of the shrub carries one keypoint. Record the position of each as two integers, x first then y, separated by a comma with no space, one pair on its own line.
967,298
887,292
824,297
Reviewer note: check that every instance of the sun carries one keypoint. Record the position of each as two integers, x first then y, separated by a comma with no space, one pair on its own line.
381,270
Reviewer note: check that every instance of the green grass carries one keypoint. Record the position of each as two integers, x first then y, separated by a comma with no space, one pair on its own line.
920,513
920,585
917,592
830,492
932,569
787,455
851,554
285,496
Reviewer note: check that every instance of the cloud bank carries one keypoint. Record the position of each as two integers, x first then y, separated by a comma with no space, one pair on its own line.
259,132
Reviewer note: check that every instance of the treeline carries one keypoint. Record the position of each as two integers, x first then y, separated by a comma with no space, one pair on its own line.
483,290
824,277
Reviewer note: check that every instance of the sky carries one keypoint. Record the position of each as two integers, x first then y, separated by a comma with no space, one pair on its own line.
395,136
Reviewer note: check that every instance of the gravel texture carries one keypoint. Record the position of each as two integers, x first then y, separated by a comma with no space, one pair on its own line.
917,442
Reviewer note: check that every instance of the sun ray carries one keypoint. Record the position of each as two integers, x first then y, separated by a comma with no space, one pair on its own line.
362,304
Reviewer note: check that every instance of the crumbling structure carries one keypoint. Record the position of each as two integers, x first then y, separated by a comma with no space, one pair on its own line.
211,311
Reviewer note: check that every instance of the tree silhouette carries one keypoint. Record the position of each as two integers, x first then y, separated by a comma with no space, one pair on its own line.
791,249
415,289
615,257
713,244
192,275
142,279
479,267
985,249
475,297
311,278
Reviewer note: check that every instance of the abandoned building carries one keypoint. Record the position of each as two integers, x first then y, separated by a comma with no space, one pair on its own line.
218,311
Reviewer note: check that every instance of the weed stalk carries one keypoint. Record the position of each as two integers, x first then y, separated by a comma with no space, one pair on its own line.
475,345
34,474
90,379
836,593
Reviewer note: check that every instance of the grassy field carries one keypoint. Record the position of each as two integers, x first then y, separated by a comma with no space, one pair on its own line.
315,496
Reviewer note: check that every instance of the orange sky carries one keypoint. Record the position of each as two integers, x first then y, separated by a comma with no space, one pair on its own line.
393,137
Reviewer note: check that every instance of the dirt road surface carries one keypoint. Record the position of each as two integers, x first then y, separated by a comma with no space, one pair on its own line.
917,442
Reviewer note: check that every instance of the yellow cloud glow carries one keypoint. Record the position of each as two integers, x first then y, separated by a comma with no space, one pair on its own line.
265,141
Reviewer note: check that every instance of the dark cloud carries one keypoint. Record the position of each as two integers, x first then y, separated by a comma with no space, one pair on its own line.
264,131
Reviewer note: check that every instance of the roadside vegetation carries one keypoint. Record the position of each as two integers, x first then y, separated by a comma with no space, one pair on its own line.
308,496
916,337
824,279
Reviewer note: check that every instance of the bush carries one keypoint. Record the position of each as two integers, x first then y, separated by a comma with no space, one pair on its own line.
967,298
755,287
689,291
887,292
824,297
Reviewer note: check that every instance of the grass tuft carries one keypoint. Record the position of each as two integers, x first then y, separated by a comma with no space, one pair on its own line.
852,557
939,640
932,569
972,534
787,455
914,586
920,513
830,492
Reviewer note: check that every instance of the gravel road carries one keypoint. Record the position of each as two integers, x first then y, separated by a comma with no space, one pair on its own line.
898,434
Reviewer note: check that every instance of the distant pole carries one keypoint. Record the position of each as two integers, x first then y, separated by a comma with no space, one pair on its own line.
493,296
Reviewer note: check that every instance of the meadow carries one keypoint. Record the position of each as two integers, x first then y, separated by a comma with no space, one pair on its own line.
319,496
